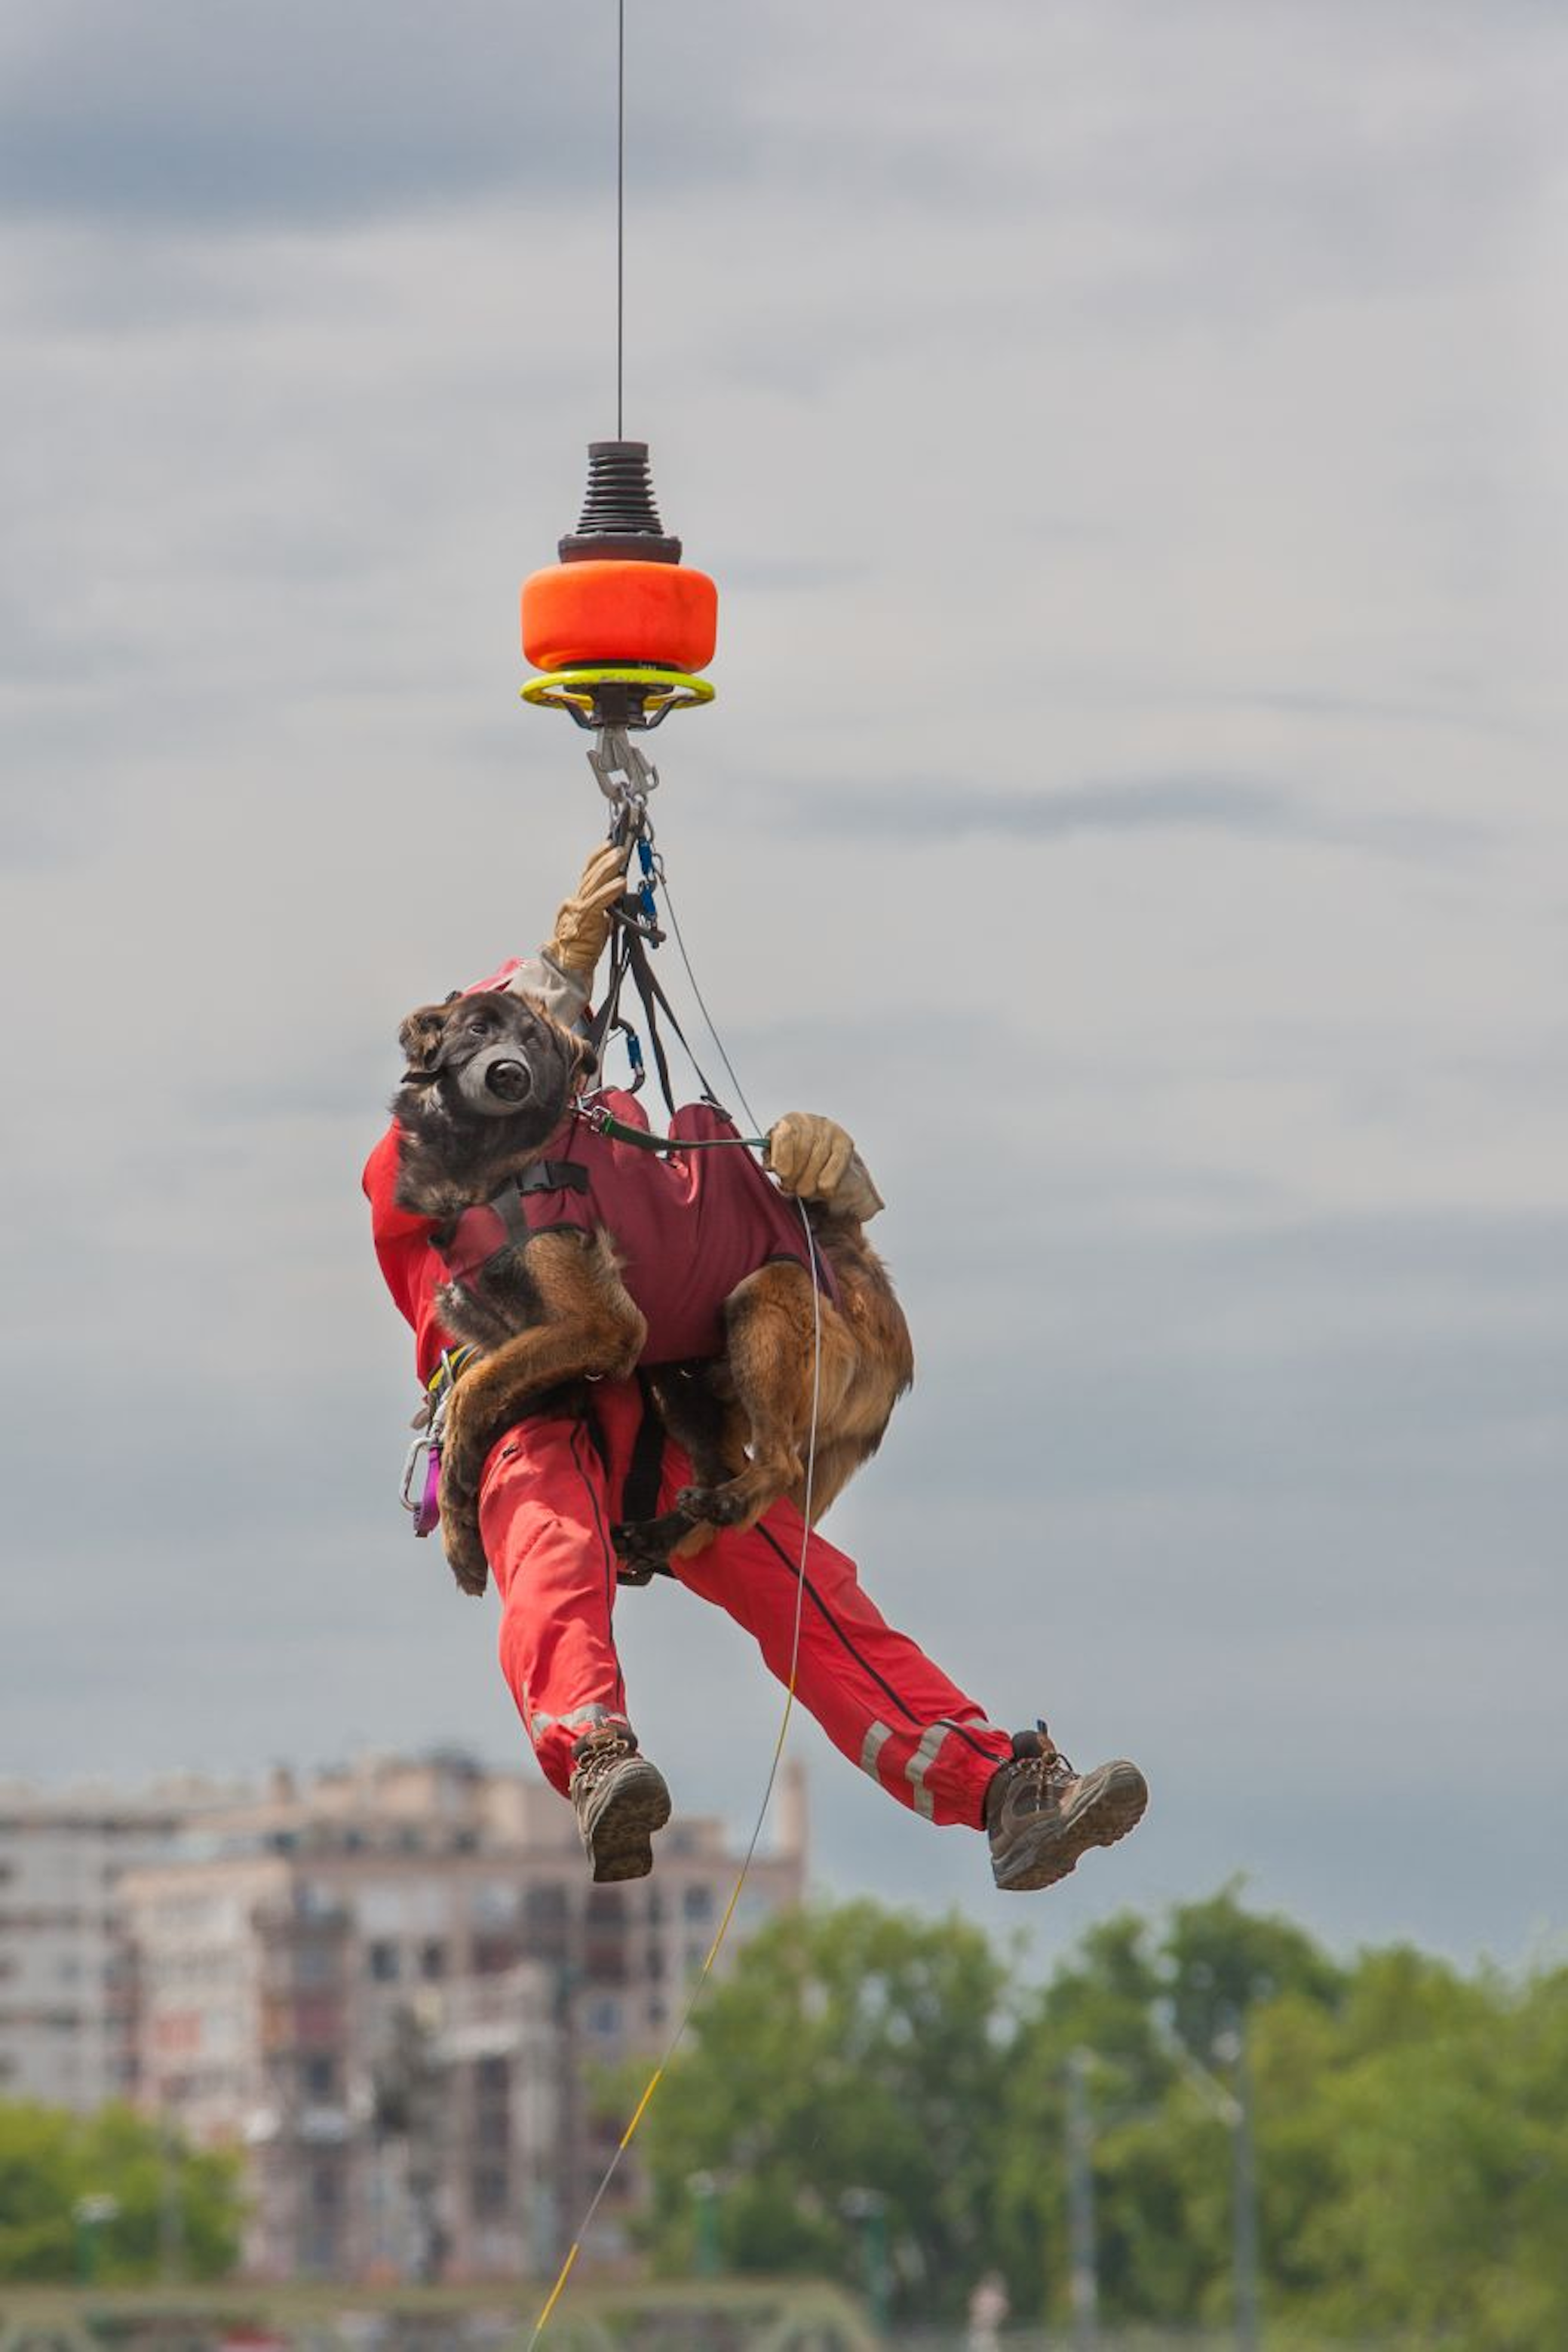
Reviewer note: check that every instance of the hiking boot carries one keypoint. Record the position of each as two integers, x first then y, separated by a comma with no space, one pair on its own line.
1041,1815
619,1800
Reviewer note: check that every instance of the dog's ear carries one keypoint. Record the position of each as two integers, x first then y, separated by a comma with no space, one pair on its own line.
422,1037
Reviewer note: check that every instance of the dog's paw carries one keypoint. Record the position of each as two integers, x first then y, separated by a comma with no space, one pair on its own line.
642,1546
713,1507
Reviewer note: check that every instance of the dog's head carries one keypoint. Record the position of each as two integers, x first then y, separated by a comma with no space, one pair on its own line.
488,1077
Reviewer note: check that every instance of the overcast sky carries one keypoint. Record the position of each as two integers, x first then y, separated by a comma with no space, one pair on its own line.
1130,444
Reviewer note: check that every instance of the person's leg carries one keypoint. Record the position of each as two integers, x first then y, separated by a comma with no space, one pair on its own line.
545,1518
885,1705
880,1699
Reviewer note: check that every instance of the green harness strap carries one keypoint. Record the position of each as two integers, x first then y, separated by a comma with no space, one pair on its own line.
604,1122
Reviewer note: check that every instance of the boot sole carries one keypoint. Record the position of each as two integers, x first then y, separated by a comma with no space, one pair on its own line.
1114,1803
619,1843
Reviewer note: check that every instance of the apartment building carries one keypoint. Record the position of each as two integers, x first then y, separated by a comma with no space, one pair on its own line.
390,1985
67,1973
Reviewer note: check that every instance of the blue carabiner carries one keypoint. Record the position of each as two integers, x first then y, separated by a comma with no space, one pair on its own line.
646,894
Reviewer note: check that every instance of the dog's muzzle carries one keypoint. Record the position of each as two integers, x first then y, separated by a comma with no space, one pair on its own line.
496,1082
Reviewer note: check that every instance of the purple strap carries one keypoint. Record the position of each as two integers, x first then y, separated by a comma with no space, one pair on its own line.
428,1516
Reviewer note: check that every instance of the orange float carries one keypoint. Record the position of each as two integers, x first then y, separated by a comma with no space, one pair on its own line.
611,610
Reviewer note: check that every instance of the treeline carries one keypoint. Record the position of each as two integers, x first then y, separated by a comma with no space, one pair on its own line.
872,2092
110,2196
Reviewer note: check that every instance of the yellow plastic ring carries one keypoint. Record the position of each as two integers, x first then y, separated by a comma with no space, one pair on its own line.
573,690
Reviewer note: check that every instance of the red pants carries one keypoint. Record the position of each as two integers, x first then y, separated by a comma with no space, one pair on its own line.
547,1506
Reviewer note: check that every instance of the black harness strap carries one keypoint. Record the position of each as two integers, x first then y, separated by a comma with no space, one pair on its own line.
545,1176
640,1495
648,988
629,956
645,1472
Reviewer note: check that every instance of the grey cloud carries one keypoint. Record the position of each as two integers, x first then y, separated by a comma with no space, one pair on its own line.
212,117
925,810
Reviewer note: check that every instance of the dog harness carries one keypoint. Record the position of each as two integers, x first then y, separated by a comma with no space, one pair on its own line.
688,1226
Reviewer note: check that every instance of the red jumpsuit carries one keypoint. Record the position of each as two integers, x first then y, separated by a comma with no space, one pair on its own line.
550,1493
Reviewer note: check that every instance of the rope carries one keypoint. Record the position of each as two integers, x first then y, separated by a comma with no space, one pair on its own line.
678,2036
702,1005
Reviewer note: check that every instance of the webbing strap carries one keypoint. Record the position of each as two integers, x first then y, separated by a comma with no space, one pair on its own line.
629,955
550,1176
604,1122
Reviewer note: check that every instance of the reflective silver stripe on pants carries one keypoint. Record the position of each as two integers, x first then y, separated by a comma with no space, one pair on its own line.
920,1763
876,1739
581,1718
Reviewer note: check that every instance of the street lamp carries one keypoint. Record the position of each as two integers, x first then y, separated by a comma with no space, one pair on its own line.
869,2208
1234,2108
704,2198
91,2214
1083,2268
1231,2047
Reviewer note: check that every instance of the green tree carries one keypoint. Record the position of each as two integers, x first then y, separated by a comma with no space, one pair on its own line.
1438,2123
853,2051
1150,2005
1411,2124
50,2160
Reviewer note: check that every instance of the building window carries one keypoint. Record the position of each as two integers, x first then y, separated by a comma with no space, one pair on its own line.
493,2125
493,1954
433,1963
385,1958
696,1903
492,2191
321,2078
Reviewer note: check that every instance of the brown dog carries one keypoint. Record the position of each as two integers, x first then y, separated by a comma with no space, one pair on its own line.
552,1298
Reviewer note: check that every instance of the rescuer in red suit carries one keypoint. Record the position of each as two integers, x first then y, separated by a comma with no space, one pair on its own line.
553,1488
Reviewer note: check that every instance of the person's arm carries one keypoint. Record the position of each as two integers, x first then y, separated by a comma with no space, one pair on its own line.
562,976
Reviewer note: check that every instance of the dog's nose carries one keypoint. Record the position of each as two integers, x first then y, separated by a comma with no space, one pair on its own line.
513,1081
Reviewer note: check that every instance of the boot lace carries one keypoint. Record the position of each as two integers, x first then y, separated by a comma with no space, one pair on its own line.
1044,1771
597,1757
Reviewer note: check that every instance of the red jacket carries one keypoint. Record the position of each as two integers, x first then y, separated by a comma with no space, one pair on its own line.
689,1227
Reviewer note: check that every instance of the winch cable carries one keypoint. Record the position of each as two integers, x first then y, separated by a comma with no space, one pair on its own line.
619,216
639,820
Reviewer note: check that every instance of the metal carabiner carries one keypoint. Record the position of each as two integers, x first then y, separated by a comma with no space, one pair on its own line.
625,778
406,1496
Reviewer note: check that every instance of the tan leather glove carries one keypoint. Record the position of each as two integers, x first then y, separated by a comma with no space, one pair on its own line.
582,926
815,1159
